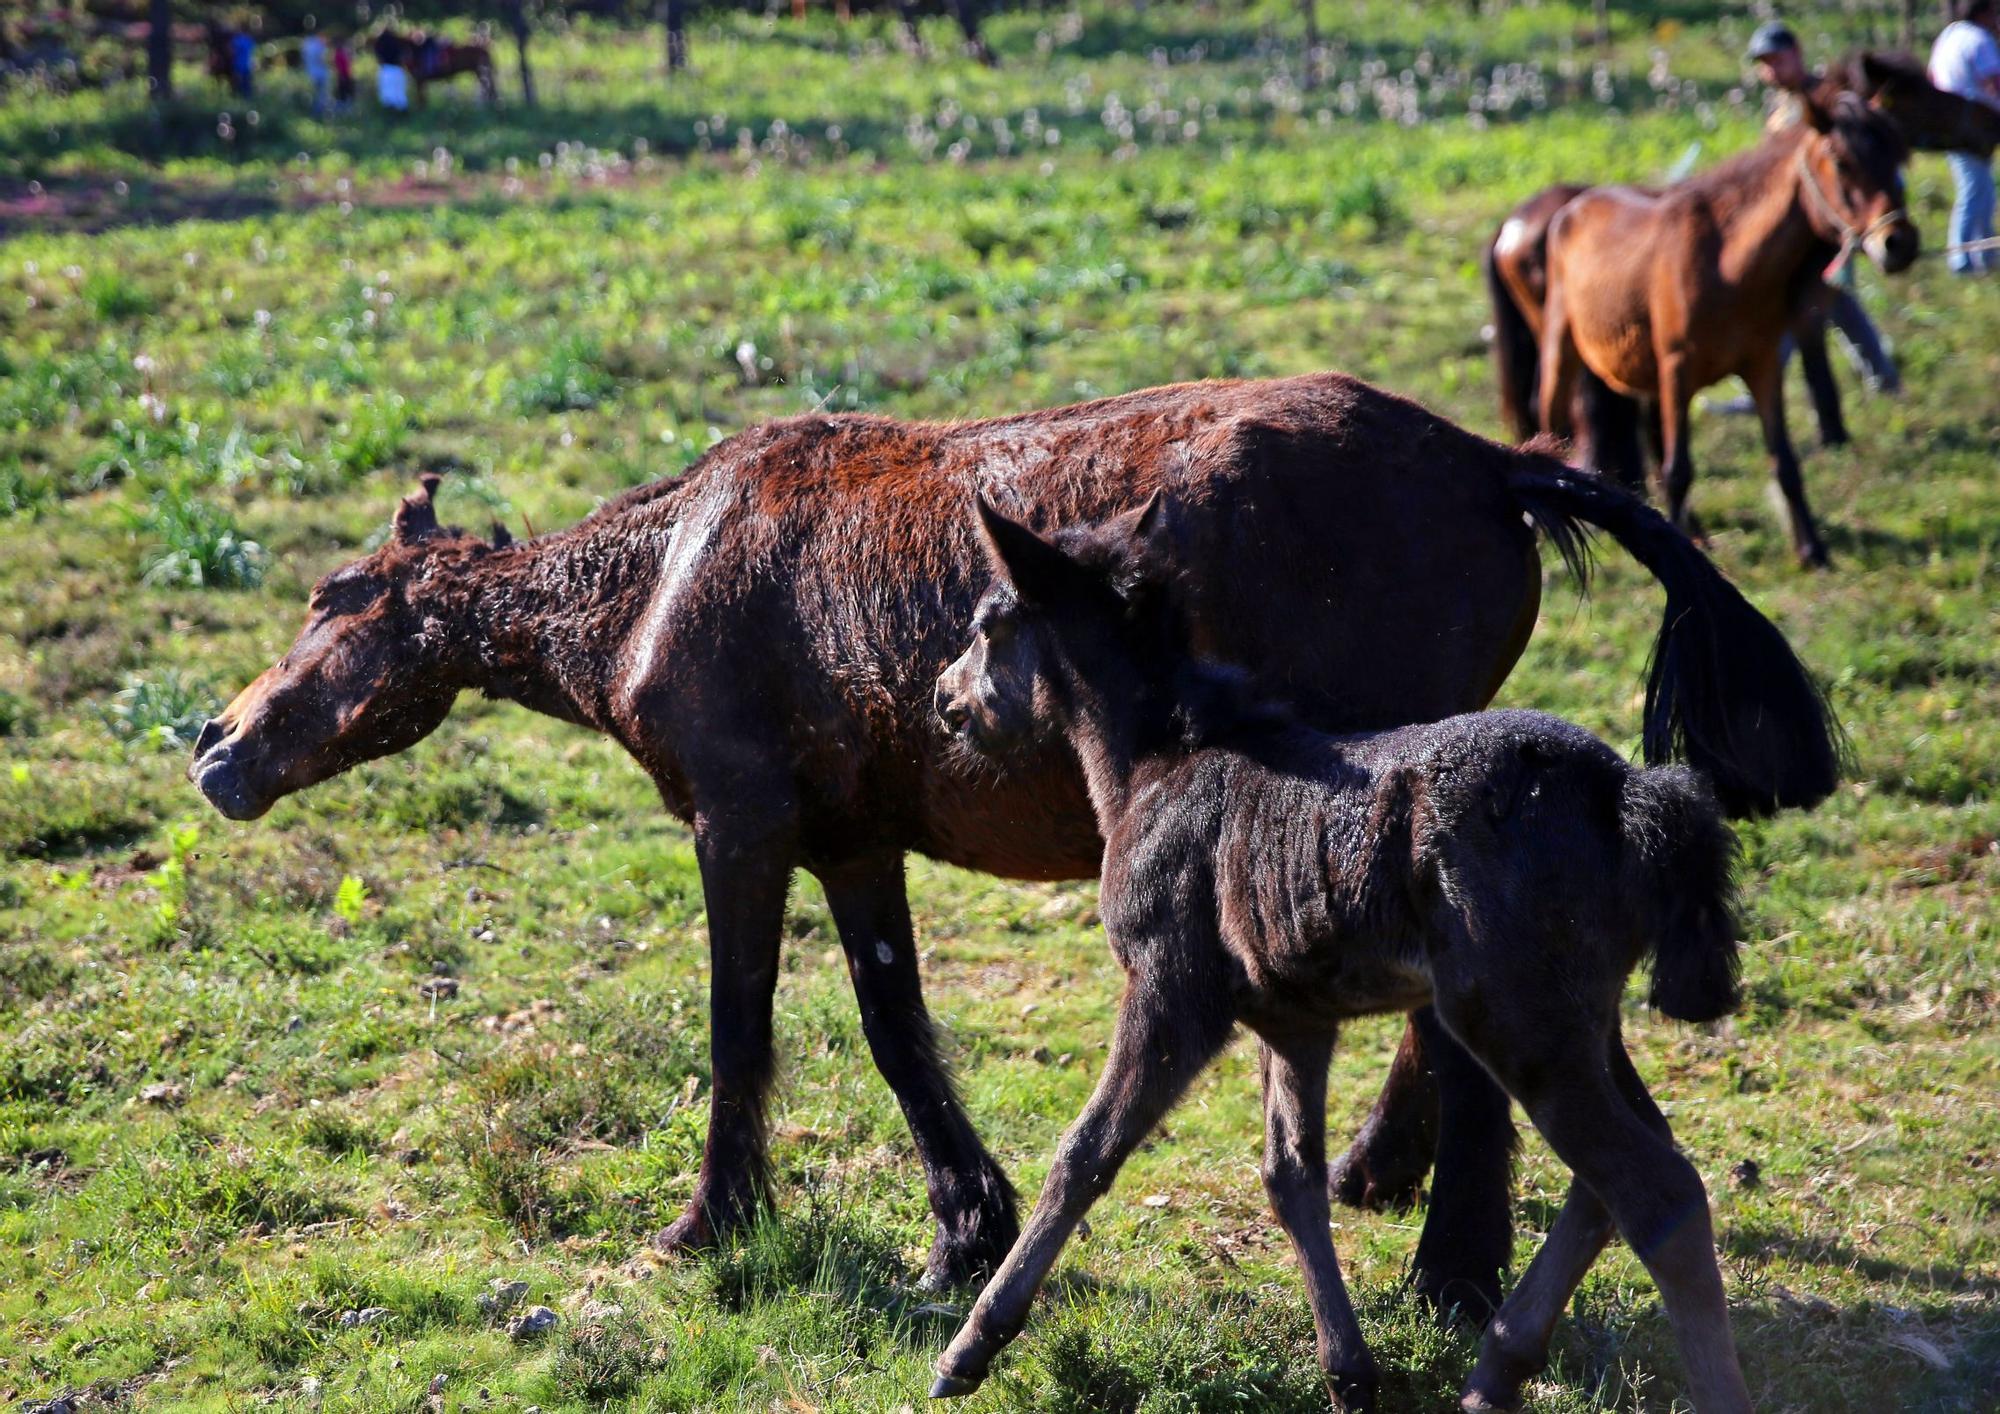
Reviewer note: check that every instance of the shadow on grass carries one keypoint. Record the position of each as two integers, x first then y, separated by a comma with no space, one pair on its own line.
1761,1244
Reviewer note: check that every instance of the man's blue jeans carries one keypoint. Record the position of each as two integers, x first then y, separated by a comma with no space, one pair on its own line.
1972,212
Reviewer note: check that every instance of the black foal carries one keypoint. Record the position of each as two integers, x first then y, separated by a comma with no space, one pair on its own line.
1506,866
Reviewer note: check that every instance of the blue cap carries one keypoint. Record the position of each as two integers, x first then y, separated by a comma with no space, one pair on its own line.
1771,38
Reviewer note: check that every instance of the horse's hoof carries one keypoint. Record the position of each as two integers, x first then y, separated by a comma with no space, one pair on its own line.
687,1233
1354,1184
953,1387
1815,558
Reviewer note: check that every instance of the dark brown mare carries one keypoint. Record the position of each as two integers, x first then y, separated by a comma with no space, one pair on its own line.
449,61
1516,267
763,634
1660,294
1506,867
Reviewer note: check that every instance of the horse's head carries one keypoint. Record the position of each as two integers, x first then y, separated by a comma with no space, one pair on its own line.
1851,181
375,669
1929,119
1084,595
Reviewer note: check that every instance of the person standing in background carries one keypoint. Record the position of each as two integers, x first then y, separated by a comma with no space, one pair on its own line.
343,74
392,84
313,56
243,62
1966,61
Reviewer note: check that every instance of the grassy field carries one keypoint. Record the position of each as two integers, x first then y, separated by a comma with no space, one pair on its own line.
234,1105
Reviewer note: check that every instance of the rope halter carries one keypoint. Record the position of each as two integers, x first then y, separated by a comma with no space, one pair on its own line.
1852,237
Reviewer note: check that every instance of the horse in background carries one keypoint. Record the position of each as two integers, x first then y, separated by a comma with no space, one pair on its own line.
1658,294
439,62
1515,264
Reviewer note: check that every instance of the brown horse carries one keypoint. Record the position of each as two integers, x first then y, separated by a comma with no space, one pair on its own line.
762,636
1660,294
1515,262
448,61
1507,866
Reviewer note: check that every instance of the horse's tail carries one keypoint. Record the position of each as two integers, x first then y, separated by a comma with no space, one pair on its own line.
1516,355
1677,875
1724,692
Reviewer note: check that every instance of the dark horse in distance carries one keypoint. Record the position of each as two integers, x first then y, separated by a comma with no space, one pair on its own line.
762,635
1506,867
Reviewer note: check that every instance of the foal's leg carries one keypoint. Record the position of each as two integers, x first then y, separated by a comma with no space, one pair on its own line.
969,1194
1651,1192
1516,1347
1295,1178
1169,1027
1767,387
745,873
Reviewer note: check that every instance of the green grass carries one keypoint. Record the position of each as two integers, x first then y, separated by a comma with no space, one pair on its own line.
229,1112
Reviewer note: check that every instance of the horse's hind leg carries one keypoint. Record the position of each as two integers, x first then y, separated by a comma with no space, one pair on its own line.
1767,387
1170,1025
1578,1093
1468,1229
970,1196
1384,1167
1294,1075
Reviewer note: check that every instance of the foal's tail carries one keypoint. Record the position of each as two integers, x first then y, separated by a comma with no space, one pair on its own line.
1516,355
1725,693
1677,876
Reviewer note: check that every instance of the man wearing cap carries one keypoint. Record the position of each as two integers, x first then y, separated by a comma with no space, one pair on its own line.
1775,53
1966,61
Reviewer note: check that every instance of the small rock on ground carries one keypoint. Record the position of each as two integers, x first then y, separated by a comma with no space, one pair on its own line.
531,1322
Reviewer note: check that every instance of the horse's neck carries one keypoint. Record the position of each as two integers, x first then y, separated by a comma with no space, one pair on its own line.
1767,234
550,616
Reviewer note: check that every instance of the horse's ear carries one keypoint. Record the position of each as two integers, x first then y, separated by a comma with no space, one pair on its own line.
1022,558
502,537
416,516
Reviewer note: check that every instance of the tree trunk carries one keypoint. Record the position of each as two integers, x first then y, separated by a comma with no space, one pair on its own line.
1602,10
160,51
673,18
1909,33
966,12
515,13
1310,72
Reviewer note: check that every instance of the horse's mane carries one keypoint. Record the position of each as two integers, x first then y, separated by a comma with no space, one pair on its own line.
1867,134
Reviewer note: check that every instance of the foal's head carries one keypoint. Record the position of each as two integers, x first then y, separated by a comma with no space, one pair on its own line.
1087,614
375,669
1851,180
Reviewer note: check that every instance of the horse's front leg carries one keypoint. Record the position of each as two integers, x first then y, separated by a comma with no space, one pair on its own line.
745,872
1171,1023
1294,1075
1676,469
970,1196
1767,389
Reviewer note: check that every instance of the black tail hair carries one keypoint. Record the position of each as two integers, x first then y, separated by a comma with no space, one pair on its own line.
1516,355
1724,692
1680,862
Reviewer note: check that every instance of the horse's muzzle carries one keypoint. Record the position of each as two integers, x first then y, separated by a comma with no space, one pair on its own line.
1895,249
218,774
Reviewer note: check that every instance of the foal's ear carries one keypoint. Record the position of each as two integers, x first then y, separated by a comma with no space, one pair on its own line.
1022,558
416,516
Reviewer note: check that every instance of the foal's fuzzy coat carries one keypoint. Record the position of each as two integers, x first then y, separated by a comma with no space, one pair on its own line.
1506,865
